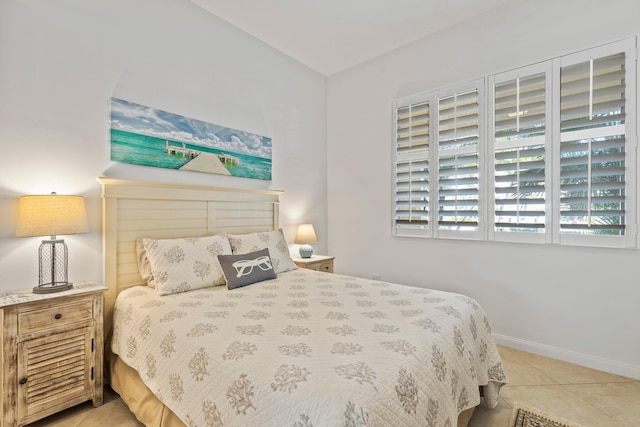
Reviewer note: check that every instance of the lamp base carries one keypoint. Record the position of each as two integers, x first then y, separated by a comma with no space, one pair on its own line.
306,251
53,267
50,288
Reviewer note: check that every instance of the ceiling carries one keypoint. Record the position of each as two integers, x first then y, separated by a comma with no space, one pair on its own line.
332,35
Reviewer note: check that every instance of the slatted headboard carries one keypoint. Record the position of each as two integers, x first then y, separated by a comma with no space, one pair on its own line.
133,209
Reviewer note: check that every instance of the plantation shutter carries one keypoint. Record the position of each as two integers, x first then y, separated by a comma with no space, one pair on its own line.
412,169
520,154
593,148
556,163
458,161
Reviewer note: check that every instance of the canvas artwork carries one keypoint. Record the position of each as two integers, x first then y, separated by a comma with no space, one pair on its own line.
146,136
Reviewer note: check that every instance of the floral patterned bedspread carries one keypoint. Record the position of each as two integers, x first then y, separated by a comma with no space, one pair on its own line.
310,349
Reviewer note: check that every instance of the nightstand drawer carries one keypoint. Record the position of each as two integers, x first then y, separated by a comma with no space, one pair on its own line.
326,267
316,262
54,316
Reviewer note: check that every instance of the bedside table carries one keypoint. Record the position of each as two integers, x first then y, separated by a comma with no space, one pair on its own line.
316,262
51,347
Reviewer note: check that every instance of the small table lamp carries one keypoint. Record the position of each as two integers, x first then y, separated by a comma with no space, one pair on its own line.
305,235
49,215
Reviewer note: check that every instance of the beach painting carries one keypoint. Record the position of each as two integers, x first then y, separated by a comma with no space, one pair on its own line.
147,136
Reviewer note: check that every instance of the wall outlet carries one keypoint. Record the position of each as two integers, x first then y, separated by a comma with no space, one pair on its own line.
376,276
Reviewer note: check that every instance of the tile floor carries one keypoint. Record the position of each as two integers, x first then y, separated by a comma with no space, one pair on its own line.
586,396
592,398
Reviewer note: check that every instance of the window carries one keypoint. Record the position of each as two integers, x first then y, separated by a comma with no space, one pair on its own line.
521,124
596,150
558,166
412,168
459,139
444,168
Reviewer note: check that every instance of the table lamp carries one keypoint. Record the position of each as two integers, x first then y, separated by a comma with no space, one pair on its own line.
50,215
305,235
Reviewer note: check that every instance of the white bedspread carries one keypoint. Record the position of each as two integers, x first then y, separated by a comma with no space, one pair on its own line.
310,349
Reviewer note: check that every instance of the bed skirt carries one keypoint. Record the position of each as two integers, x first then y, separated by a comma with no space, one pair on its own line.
150,411
147,408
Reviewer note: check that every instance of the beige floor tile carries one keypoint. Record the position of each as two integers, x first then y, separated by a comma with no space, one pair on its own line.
620,401
560,401
112,413
561,372
519,371
489,417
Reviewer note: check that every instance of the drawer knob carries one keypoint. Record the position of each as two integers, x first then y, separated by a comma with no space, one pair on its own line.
23,380
58,316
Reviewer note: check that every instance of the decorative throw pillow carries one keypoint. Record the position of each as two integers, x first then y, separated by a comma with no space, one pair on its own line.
180,265
144,268
245,269
273,240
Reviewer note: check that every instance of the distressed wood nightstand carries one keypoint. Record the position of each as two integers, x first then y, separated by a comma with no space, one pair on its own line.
316,262
51,347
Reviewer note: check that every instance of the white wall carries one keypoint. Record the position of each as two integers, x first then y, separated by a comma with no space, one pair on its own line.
60,63
577,304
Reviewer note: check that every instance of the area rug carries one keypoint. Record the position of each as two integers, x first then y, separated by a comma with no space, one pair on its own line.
528,416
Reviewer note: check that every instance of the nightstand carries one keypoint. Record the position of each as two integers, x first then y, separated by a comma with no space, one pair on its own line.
316,262
51,347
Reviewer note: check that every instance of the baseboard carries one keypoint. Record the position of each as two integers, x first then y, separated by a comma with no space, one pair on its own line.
576,358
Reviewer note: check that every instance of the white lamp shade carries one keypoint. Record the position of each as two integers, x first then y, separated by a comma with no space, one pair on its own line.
306,234
51,215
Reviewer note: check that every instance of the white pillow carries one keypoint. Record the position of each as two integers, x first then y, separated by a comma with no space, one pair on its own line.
273,240
180,265
144,268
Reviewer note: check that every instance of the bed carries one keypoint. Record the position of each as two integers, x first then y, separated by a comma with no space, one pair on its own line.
302,349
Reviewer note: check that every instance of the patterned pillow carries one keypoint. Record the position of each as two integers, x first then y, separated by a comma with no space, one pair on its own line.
180,265
144,268
273,240
246,269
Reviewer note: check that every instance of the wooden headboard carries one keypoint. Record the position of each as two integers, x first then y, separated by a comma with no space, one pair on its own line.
133,209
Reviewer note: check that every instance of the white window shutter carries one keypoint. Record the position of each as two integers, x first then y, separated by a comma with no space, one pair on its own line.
411,216
520,167
554,161
459,162
596,200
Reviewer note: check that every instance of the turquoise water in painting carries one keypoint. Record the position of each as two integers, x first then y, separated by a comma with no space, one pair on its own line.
133,148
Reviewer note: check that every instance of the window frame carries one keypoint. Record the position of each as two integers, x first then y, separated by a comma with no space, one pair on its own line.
432,98
629,240
480,86
487,160
425,97
522,236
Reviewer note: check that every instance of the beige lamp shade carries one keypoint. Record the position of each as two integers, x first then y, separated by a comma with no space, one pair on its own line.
51,215
306,234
